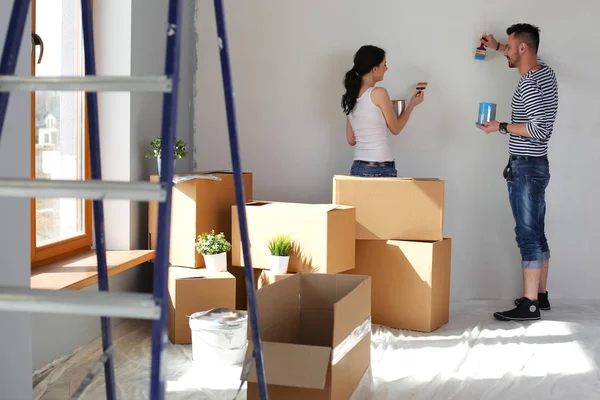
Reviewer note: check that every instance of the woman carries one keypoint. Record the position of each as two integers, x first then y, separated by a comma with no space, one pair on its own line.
370,116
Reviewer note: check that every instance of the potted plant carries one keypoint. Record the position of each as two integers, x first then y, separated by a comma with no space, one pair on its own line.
155,149
214,248
280,247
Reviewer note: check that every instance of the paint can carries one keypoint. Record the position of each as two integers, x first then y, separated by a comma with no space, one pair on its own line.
219,336
399,106
487,112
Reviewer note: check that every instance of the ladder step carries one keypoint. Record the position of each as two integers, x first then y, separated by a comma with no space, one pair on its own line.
11,83
75,302
93,189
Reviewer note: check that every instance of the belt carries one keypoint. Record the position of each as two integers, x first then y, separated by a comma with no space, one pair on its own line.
516,157
376,163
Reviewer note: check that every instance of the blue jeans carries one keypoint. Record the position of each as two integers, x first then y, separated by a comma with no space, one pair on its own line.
527,180
373,169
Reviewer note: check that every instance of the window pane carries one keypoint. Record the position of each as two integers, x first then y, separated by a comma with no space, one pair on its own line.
59,122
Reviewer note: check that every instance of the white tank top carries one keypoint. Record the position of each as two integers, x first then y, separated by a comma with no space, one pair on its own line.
371,131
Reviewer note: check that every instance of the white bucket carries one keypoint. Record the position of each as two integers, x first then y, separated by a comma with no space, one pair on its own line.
279,264
219,336
216,262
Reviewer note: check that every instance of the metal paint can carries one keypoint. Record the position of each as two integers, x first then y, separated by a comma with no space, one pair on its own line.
487,112
219,336
399,106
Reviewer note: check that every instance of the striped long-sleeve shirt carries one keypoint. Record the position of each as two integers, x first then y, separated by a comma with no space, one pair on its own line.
535,103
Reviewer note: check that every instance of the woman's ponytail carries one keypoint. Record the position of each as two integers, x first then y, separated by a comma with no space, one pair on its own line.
352,83
365,59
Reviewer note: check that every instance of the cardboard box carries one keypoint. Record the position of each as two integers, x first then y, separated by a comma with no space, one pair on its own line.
316,336
194,290
393,208
323,234
411,282
262,278
198,205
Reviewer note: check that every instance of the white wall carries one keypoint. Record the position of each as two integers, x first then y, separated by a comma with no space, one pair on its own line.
133,43
288,62
15,146
148,39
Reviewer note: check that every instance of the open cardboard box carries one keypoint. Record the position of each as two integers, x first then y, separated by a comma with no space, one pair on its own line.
316,336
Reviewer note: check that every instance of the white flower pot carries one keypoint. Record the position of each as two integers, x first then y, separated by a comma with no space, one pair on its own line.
216,262
158,161
279,264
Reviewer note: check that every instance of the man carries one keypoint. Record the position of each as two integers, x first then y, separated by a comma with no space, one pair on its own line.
534,109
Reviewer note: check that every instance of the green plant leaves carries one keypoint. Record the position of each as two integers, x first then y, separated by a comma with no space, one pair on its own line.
280,245
211,243
155,146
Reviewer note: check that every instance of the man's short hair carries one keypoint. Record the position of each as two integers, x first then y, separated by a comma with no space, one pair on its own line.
527,33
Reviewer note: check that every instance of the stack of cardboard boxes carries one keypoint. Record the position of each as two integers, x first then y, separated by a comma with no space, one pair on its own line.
375,254
198,205
400,244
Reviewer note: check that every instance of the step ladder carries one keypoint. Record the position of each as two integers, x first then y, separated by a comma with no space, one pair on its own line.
104,303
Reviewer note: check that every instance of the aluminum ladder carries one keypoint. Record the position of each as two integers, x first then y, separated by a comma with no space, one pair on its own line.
102,303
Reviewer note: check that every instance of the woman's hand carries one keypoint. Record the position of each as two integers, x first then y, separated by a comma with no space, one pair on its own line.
416,99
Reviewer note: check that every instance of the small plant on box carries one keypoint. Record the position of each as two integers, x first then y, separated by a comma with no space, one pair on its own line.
155,148
214,248
280,247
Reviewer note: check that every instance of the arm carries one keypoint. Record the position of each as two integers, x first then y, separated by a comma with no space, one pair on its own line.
537,127
382,99
350,133
518,129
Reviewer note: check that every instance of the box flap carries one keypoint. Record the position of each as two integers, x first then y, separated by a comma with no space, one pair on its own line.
276,302
352,309
255,203
184,178
300,207
293,365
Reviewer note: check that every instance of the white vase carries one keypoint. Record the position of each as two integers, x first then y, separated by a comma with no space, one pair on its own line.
279,264
216,262
158,161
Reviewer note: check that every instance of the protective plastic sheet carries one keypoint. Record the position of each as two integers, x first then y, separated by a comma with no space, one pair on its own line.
472,357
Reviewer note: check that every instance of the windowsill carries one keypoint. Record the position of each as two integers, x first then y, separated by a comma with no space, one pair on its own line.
79,271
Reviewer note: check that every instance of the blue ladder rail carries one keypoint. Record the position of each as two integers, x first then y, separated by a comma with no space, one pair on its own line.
240,200
97,205
161,266
134,305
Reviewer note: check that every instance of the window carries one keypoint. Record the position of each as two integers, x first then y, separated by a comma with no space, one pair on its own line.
59,132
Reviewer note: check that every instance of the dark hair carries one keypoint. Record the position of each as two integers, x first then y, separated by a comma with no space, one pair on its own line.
365,59
527,33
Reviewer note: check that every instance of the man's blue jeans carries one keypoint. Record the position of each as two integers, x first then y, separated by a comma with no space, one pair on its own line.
373,169
527,180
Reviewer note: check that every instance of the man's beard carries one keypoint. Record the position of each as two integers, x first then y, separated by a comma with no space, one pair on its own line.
511,64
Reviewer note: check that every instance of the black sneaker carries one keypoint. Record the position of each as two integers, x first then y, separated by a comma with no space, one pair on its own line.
527,310
542,299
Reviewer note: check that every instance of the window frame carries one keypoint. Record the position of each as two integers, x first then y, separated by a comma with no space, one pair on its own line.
43,255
